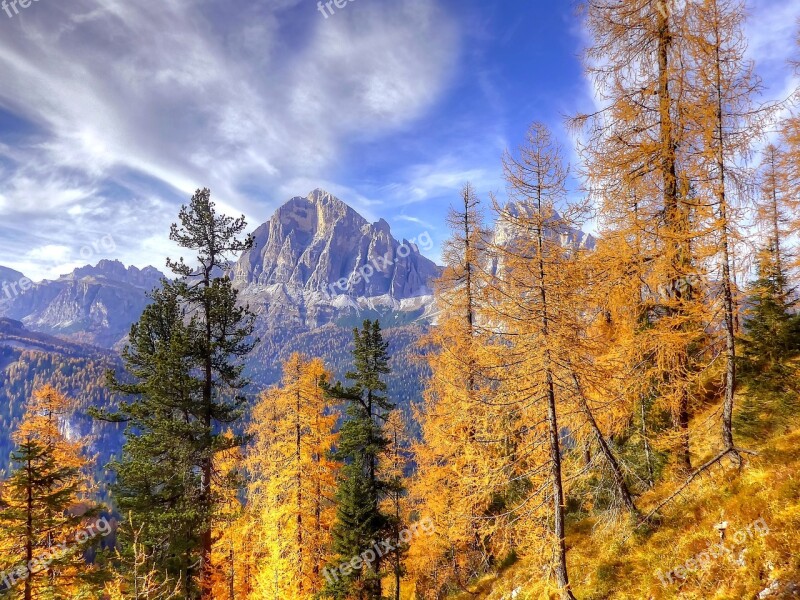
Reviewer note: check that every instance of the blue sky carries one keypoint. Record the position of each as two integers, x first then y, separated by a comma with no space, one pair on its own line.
112,112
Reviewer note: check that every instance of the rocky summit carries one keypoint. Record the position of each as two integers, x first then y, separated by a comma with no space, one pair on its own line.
317,261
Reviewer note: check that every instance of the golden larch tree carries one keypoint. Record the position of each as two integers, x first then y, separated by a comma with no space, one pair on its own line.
292,481
454,455
46,517
724,122
636,153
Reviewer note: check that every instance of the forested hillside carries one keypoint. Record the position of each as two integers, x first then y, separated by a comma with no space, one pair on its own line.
331,342
30,361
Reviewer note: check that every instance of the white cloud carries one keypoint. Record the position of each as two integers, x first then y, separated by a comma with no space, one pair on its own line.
446,177
158,97
414,220
53,253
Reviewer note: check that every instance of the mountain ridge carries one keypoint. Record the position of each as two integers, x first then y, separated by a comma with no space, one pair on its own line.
319,243
93,304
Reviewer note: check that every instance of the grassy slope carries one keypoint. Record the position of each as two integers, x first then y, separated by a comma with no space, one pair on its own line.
614,561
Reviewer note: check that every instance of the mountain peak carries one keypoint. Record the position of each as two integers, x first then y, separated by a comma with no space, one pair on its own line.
8,274
95,303
320,196
114,270
507,230
318,244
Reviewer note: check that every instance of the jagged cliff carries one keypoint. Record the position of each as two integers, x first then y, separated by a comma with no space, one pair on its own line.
93,304
317,261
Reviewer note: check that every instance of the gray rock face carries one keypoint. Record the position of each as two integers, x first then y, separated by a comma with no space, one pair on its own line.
511,231
315,242
113,270
93,304
9,275
317,260
10,282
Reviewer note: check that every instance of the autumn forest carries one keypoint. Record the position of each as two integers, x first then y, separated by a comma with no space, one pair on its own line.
597,409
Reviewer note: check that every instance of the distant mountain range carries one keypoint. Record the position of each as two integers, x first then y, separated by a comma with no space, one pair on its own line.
315,262
94,304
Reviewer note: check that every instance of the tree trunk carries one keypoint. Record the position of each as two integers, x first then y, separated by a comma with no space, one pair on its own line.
674,219
727,286
646,440
775,218
207,463
684,456
29,531
299,483
232,579
562,574
730,338
619,478
317,516
561,570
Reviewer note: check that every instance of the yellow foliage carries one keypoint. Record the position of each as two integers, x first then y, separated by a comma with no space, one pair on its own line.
290,511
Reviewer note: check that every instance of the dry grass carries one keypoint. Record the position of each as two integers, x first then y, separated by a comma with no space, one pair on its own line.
624,564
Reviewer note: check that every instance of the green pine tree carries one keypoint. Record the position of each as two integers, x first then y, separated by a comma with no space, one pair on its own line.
222,337
157,479
360,524
772,330
771,342
184,360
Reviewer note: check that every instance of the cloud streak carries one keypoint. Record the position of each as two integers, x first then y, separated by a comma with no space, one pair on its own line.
128,107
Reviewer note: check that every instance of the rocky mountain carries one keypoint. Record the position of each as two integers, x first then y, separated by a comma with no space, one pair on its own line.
113,270
507,229
9,275
93,304
14,334
317,261
512,231
10,286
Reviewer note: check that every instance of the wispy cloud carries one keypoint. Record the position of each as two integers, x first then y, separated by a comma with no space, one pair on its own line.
137,104
415,220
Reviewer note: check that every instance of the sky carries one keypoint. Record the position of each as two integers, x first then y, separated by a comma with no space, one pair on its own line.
112,112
